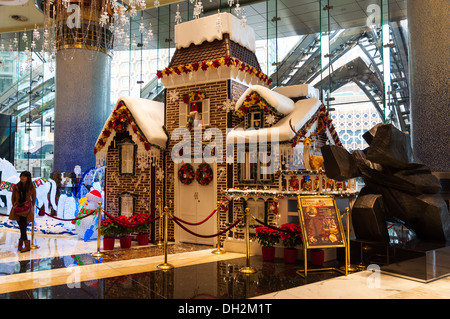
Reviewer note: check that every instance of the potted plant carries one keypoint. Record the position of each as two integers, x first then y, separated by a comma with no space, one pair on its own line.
142,228
291,236
124,231
108,230
267,238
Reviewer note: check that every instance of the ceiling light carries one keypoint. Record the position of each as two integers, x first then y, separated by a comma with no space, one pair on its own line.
19,18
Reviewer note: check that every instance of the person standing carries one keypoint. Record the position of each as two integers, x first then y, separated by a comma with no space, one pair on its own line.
24,200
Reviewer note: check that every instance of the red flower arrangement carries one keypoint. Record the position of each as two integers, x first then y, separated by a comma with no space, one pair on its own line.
291,235
267,237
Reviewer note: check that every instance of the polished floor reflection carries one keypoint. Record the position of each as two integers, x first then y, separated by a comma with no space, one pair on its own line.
63,268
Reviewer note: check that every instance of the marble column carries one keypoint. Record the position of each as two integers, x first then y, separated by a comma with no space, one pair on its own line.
82,106
429,54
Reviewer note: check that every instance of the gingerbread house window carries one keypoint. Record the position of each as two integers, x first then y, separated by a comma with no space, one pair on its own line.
254,166
196,112
256,119
127,151
127,202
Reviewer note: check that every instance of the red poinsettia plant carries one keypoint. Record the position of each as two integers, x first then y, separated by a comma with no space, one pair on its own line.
139,222
109,228
291,235
267,237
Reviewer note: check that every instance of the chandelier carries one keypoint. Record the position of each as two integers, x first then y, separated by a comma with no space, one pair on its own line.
99,25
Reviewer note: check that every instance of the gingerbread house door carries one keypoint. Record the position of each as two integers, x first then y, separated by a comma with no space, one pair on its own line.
194,203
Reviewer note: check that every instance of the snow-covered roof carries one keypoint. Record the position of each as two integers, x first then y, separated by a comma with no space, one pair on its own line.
205,29
300,90
149,117
303,111
279,102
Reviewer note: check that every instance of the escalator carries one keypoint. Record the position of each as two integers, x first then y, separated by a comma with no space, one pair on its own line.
303,65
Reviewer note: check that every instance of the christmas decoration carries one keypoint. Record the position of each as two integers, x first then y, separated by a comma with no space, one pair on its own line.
204,174
186,174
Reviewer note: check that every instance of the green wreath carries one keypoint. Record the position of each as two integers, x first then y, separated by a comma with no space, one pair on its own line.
186,174
204,174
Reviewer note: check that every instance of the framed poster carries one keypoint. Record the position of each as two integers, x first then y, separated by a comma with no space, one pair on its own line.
321,222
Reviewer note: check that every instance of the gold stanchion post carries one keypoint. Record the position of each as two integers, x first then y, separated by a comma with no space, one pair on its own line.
159,243
350,267
165,265
98,254
218,251
247,269
33,246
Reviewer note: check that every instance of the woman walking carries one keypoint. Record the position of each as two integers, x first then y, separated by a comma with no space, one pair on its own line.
24,200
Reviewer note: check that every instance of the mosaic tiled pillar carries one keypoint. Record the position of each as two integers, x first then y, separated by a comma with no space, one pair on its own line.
83,77
429,81
82,106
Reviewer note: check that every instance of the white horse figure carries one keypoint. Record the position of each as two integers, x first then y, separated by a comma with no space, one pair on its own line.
10,176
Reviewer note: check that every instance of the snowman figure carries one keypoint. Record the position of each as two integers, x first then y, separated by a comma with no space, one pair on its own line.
86,228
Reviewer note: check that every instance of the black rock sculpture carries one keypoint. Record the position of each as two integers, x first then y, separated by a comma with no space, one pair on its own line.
396,187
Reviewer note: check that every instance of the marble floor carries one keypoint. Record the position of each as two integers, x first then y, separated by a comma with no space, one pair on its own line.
63,268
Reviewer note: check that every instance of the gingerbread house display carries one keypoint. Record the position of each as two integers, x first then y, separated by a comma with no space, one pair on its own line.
131,146
222,137
211,68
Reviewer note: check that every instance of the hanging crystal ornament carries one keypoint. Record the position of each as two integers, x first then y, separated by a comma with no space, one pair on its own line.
15,41
230,3
142,4
66,3
133,11
25,36
198,9
150,32
104,18
237,9
178,19
36,34
244,20
218,22
142,26
156,3
133,43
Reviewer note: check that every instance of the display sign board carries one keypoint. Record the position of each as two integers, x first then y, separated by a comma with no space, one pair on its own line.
321,222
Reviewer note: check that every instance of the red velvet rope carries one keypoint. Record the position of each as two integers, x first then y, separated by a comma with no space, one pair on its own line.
175,219
195,224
